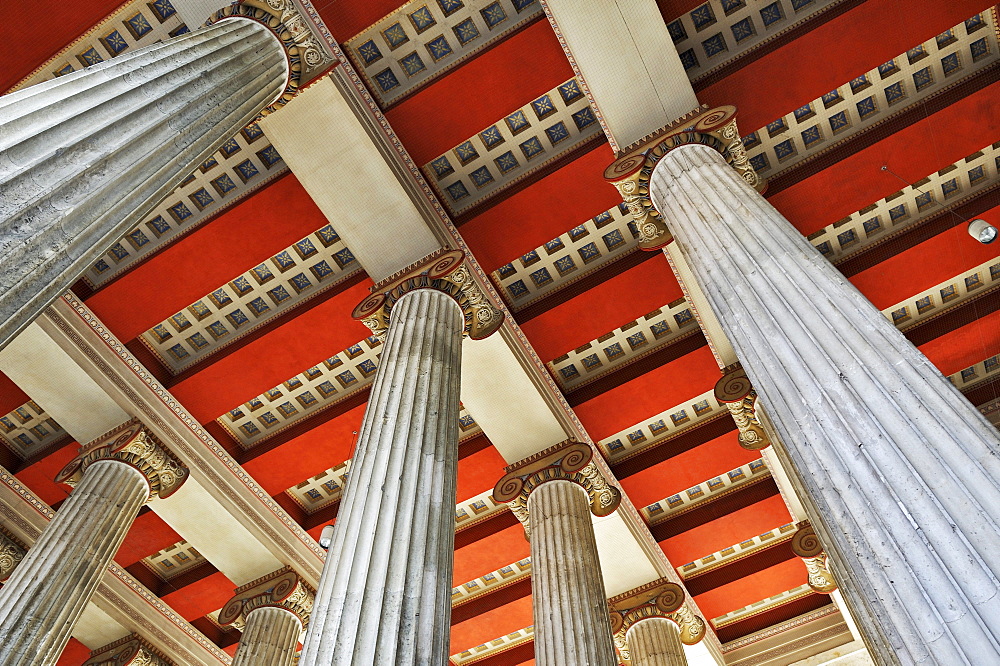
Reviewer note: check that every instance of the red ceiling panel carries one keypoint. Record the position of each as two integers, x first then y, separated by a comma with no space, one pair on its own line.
767,88
322,447
490,553
763,584
347,19
726,531
26,47
480,92
479,472
148,535
11,396
914,152
39,476
492,624
965,346
928,264
207,258
283,352
545,210
649,394
75,654
617,301
688,469
200,597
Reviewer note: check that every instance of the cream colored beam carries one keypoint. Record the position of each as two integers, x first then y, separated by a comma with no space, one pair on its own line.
627,61
68,354
121,605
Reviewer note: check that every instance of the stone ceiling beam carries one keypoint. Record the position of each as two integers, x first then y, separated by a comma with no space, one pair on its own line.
626,59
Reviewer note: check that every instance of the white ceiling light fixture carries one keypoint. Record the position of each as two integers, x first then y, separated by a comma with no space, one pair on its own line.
982,231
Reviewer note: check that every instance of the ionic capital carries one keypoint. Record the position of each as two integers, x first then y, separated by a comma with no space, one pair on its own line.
303,48
806,545
661,598
132,444
630,173
12,552
445,271
736,393
279,589
129,651
569,461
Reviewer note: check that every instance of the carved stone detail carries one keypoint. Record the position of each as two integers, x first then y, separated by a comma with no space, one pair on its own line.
279,589
444,271
660,598
11,554
736,393
806,545
128,651
570,461
132,444
630,173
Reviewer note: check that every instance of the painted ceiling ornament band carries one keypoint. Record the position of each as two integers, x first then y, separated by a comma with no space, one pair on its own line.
630,172
738,395
131,443
569,460
660,598
131,650
279,589
444,270
302,49
806,545
12,551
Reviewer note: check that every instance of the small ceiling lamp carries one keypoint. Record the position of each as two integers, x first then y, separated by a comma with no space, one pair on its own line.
982,231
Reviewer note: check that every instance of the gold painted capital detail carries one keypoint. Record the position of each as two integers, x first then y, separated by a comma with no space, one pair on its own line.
661,598
12,552
736,393
568,461
279,589
630,173
132,444
129,651
806,545
445,271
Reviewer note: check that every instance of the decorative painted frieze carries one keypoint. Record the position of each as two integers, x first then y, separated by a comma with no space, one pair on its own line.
940,298
491,582
762,606
745,548
665,509
28,429
520,143
494,647
174,560
303,270
423,39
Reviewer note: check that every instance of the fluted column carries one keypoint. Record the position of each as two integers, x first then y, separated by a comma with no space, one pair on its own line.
554,493
902,471
275,609
42,600
85,156
385,593
655,641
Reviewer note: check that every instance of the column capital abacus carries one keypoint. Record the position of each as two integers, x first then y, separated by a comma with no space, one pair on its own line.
279,589
660,598
133,445
738,395
806,545
12,551
131,650
569,460
630,173
445,271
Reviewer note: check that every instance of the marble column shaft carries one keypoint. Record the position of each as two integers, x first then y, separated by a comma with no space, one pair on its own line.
385,593
271,638
567,592
902,470
43,598
85,156
655,641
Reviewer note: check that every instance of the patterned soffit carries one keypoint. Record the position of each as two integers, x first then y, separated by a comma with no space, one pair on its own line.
491,582
515,146
762,606
743,549
719,31
307,268
667,508
423,39
494,647
28,429
174,560
901,83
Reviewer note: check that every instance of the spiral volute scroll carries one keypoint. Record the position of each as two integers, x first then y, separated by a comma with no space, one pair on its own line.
131,650
132,444
569,461
279,589
807,545
738,395
660,598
